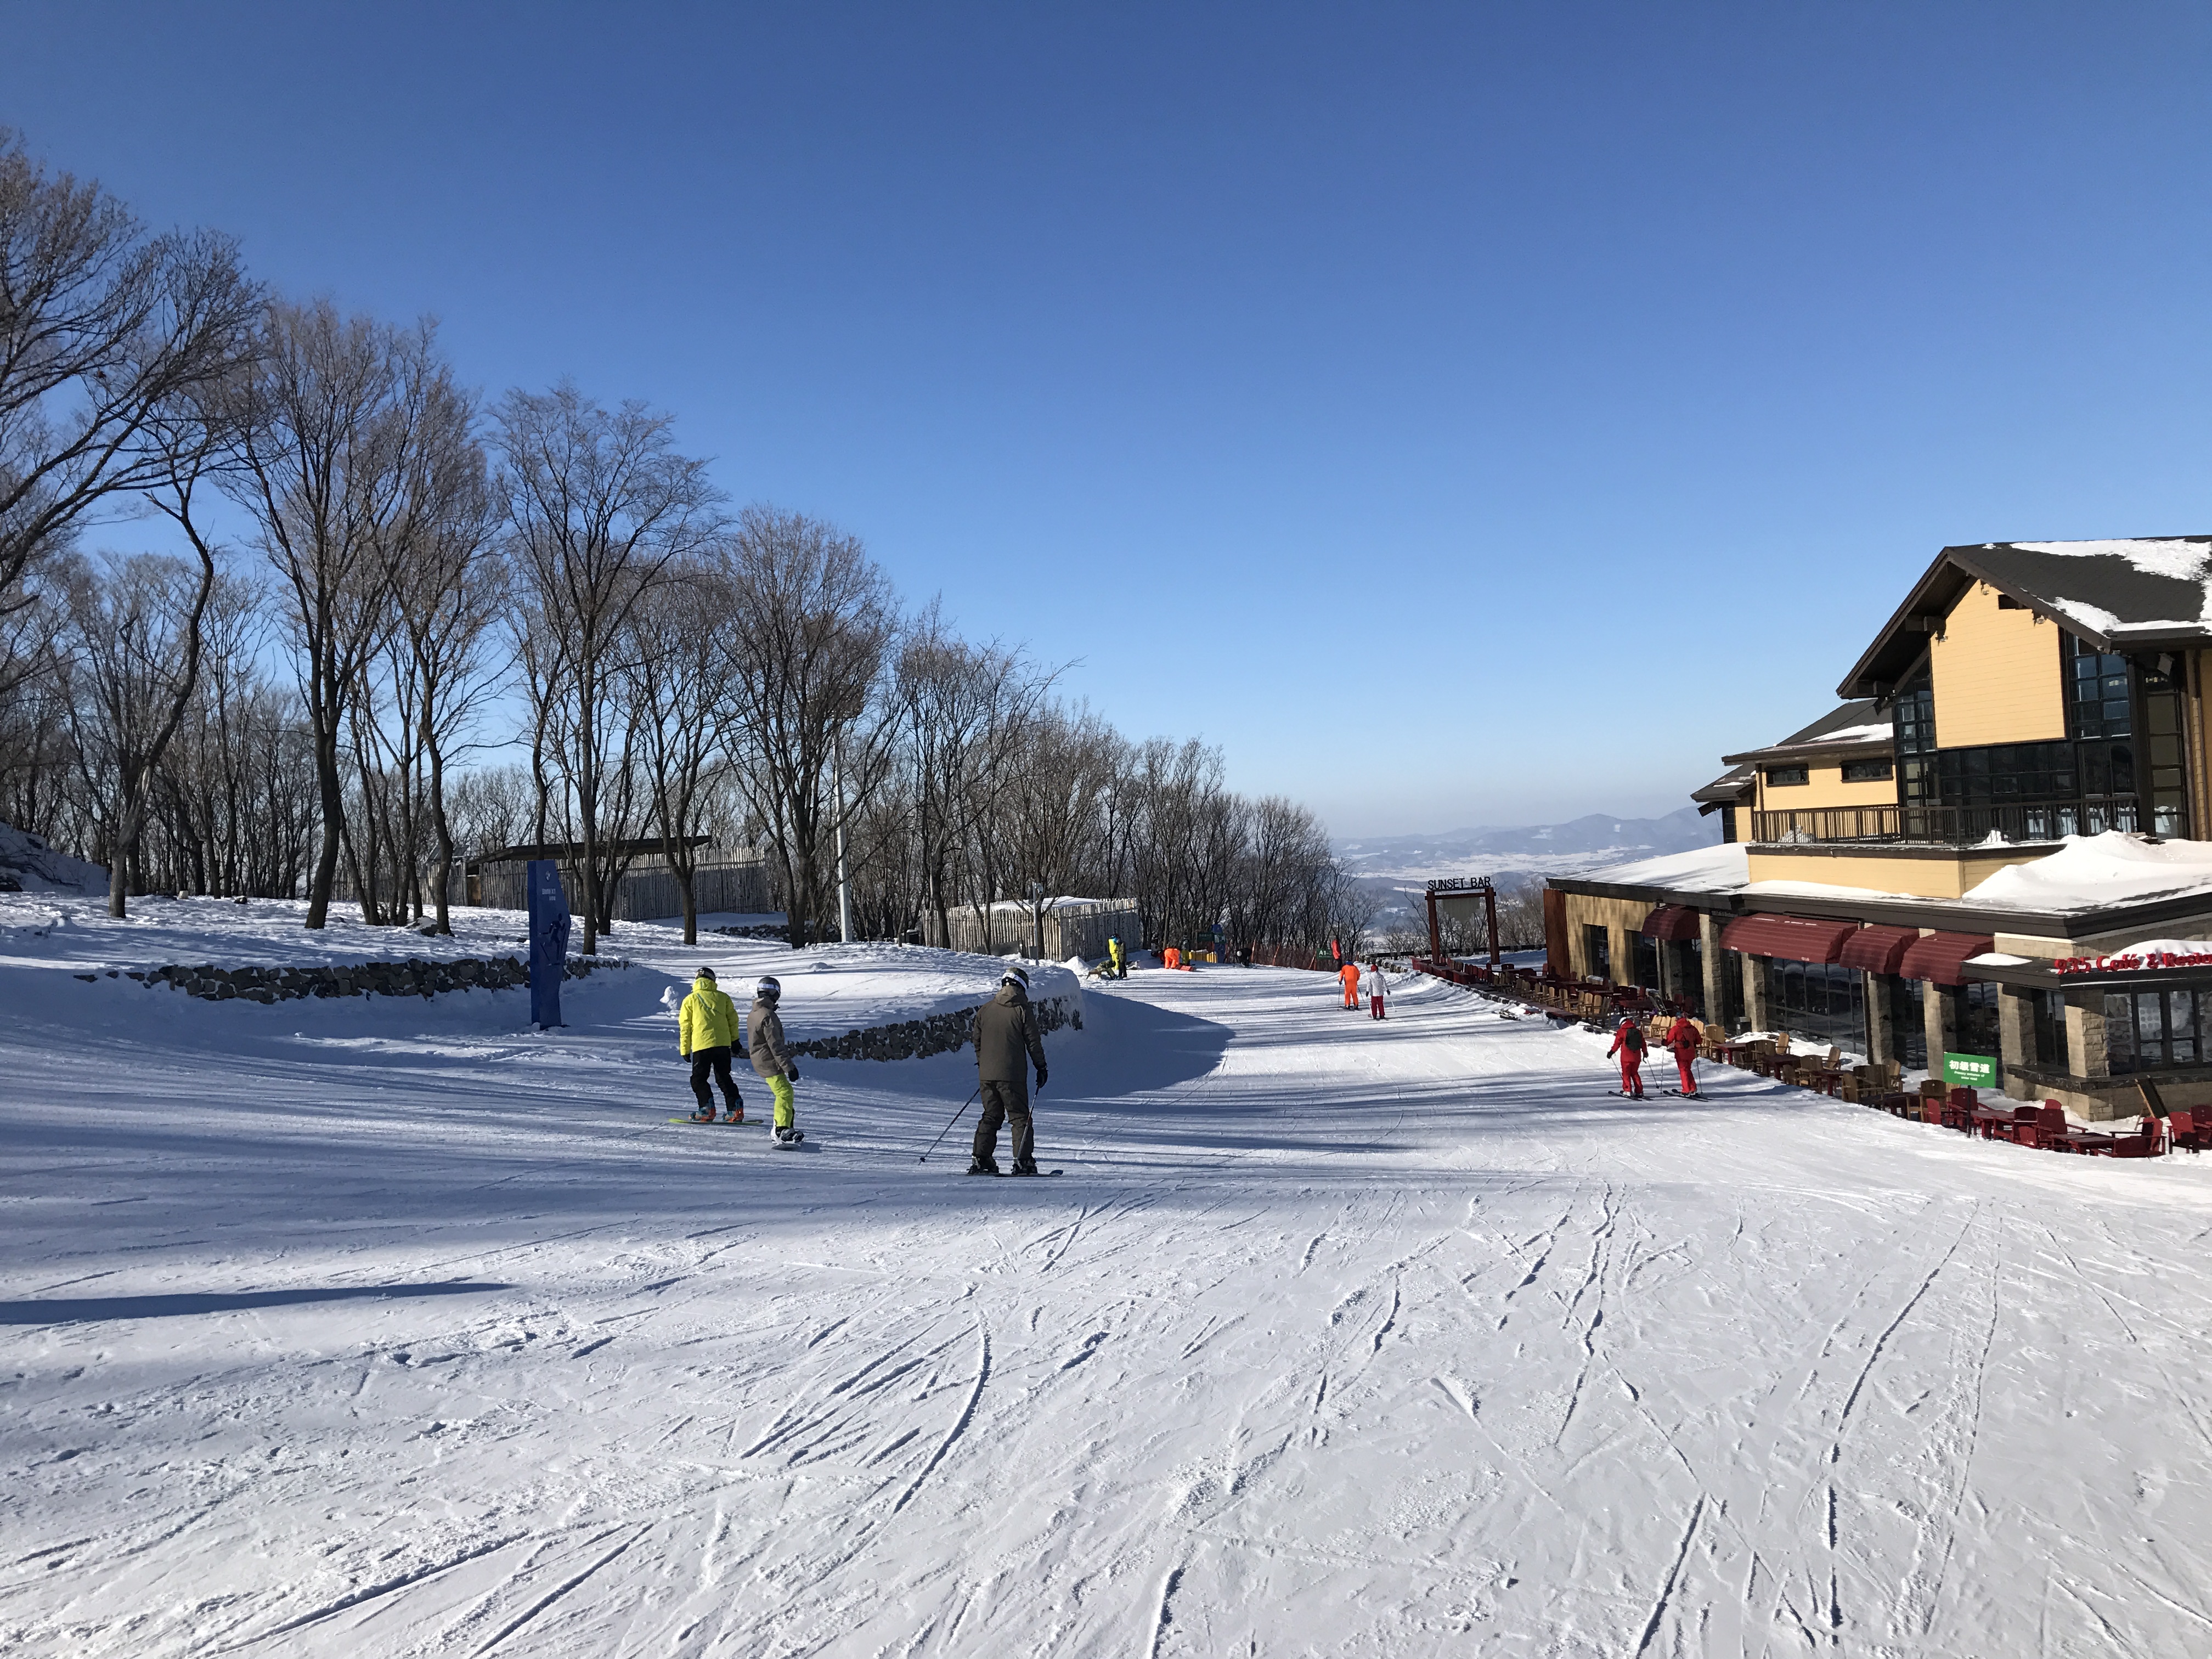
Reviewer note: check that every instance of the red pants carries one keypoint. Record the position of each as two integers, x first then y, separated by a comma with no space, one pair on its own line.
1684,1058
1631,1072
1374,1006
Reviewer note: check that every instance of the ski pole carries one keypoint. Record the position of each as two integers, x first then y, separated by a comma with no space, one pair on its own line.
947,1129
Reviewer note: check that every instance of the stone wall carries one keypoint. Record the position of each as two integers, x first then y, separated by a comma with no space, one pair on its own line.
939,1033
416,976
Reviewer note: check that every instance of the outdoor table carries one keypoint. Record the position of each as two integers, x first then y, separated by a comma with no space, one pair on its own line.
2083,1140
1992,1122
1826,1079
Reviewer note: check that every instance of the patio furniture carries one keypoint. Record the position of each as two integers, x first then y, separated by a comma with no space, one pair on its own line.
1993,1122
1958,1109
2148,1141
2185,1134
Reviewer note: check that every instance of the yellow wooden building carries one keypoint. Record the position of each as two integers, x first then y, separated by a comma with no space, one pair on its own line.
2012,793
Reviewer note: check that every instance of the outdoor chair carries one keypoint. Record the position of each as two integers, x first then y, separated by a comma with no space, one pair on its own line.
1958,1109
2184,1134
2148,1141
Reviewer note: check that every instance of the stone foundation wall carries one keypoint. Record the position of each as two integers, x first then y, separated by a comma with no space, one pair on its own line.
939,1033
415,977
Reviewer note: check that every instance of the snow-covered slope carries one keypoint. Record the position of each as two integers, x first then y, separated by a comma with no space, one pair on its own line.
431,1336
27,864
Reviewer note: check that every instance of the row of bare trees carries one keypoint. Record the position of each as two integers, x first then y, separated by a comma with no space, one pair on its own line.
303,712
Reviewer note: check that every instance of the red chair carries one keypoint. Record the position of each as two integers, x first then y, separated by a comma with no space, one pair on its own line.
2183,1132
1958,1109
2051,1127
2149,1141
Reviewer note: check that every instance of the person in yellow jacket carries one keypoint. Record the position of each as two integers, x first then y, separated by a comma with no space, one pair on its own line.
1121,968
705,1031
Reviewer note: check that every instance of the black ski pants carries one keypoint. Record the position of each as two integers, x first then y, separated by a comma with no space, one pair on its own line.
718,1062
1006,1102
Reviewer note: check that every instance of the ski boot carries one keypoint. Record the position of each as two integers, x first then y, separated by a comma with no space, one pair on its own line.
702,1114
788,1136
982,1166
735,1115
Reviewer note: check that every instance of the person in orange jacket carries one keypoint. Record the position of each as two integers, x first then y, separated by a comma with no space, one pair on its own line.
1628,1043
1682,1040
1349,975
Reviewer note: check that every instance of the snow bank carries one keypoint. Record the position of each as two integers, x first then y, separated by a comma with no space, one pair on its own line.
2089,872
29,865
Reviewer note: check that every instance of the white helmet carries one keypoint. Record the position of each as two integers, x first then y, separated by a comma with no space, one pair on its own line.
767,987
1015,976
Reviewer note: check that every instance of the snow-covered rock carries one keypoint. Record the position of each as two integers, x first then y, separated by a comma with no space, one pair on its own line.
27,864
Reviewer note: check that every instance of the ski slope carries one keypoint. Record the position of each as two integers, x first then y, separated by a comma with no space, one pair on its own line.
1336,1338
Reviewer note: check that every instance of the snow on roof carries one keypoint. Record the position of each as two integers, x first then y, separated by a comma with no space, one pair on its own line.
2154,556
1721,869
1856,734
2090,872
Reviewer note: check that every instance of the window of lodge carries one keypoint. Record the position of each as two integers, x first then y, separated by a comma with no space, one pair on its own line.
2152,1030
1867,771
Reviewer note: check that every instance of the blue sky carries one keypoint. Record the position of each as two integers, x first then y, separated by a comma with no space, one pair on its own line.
1463,415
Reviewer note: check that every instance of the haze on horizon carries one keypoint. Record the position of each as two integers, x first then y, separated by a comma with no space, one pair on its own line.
1463,417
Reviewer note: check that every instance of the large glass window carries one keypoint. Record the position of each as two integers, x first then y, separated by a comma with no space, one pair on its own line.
1597,950
1823,1000
1645,949
1914,710
2152,1030
2005,774
2050,1048
2100,685
1866,771
2161,776
1908,1022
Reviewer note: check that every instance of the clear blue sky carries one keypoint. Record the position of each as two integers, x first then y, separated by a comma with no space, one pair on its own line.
1473,414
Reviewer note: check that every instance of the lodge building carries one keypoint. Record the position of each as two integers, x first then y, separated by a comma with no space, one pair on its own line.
2012,793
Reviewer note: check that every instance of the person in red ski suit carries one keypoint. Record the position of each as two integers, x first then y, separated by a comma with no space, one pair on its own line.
1682,1039
1628,1043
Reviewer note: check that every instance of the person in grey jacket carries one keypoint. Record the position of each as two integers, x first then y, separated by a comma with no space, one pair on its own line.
765,1046
1007,1043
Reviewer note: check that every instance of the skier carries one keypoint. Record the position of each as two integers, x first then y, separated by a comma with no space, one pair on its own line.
1372,983
1348,976
764,1046
1007,1044
1121,968
706,1030
1628,1043
1683,1037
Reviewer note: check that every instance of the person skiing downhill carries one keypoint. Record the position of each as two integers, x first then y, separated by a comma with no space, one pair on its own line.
1007,1044
764,1047
1628,1043
705,1031
1682,1039
1373,984
1349,976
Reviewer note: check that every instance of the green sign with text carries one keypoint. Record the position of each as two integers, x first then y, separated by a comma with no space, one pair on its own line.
1970,1071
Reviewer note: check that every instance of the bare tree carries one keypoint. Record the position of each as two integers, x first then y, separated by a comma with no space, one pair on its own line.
1065,767
321,451
673,662
101,326
598,503
814,619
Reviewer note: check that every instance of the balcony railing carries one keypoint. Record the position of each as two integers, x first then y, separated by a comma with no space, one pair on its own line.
2015,823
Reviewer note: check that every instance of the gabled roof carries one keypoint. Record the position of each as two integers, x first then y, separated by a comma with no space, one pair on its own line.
1849,731
2137,594
1730,789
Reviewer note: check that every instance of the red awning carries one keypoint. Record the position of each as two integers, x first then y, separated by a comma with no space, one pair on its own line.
1878,949
1792,938
1938,956
1671,921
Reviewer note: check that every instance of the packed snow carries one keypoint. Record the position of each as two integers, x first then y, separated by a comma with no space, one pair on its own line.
29,865
388,1327
2090,873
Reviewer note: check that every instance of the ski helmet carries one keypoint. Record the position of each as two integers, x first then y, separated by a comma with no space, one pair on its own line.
1015,976
707,974
767,987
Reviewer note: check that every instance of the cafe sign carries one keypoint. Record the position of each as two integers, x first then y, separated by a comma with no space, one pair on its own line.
2134,962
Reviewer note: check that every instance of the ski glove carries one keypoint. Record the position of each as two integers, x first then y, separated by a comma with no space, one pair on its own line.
792,1071
1041,1079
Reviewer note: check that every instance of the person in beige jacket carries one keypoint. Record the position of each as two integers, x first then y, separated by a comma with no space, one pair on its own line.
765,1046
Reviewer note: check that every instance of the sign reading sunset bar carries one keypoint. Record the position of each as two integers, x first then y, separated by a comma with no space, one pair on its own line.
1969,1070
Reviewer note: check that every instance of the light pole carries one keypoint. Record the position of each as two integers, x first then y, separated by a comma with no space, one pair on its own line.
844,887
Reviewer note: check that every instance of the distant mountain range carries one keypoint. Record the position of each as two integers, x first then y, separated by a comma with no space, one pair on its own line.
1543,849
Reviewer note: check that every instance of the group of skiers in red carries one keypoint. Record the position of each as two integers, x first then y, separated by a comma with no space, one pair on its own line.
1681,1040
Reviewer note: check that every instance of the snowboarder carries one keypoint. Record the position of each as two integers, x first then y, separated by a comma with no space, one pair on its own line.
1348,976
1372,983
1628,1043
765,1046
1683,1038
706,1030
1120,966
1244,953
1007,1044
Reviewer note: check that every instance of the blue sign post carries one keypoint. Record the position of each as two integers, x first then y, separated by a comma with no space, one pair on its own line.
548,942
